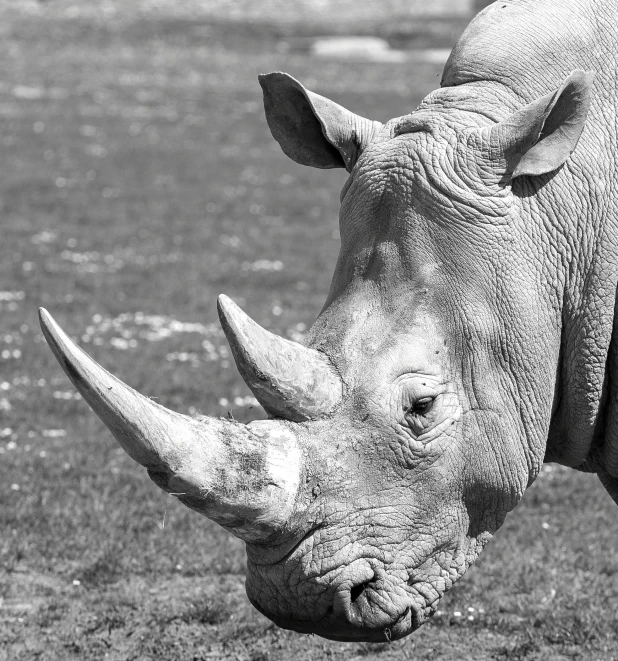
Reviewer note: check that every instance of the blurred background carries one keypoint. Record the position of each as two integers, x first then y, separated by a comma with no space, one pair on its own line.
139,181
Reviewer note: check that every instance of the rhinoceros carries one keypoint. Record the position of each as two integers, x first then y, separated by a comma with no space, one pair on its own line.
468,335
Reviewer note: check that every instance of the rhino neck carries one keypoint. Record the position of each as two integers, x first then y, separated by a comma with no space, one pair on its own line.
574,213
567,231
499,61
584,428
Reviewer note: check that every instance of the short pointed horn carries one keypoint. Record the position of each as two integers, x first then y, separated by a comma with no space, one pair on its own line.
243,477
289,380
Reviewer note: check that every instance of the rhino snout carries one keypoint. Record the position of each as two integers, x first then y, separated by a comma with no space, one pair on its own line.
359,607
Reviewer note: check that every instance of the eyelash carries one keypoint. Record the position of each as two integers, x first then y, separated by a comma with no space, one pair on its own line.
420,407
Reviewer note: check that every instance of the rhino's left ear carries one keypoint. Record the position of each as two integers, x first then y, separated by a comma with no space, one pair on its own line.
540,137
311,129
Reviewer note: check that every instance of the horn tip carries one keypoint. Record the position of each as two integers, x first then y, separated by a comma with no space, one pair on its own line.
228,310
48,325
224,301
61,345
44,316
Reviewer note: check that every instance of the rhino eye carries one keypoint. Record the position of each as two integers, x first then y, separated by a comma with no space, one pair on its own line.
416,414
421,407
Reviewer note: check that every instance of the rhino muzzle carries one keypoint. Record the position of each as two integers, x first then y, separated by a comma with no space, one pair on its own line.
361,604
244,477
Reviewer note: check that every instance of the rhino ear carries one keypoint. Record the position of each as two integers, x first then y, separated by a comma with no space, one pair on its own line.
540,137
311,129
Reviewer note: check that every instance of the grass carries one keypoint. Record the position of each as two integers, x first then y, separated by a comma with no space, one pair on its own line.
139,181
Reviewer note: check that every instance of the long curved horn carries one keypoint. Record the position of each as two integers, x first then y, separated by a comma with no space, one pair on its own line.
289,380
243,477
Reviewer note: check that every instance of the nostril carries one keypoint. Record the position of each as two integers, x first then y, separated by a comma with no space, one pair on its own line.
357,590
353,583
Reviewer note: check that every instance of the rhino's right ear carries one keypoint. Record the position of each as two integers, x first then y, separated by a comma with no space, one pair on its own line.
311,129
540,137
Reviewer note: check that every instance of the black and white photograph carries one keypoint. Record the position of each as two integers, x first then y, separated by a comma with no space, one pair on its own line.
309,330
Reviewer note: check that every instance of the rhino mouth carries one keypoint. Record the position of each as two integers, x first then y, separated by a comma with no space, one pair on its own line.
364,599
363,602
352,626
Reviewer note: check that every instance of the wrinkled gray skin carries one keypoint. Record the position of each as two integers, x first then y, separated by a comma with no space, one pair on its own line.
492,293
470,320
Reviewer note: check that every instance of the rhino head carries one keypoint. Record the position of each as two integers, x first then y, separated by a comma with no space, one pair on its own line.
416,414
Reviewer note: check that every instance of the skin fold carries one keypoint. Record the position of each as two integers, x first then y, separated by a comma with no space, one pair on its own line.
468,332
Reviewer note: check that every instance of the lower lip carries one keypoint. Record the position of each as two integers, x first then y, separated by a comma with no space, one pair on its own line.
344,632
